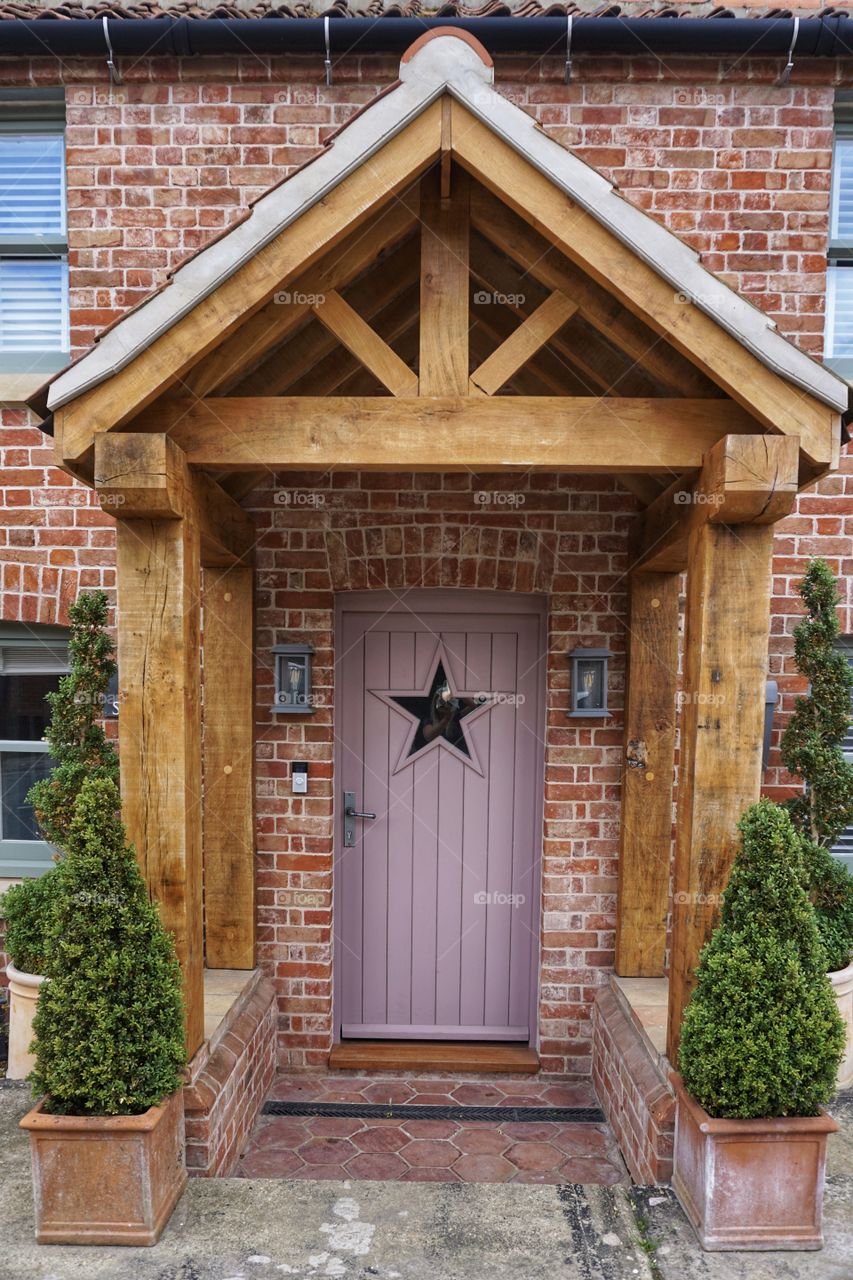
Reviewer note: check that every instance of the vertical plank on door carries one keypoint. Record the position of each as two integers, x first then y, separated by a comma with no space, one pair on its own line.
501,804
478,660
449,887
425,859
374,832
400,839
525,877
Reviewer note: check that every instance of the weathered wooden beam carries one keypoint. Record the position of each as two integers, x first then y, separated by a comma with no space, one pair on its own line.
229,800
544,263
584,240
647,775
522,344
481,433
365,344
443,363
159,670
325,224
145,475
307,348
729,573
746,479
228,363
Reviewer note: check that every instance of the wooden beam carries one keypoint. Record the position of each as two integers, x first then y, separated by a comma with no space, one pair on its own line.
613,376
443,363
145,475
366,345
229,799
327,376
745,479
544,263
647,775
521,345
480,433
307,348
159,668
769,398
729,573
228,364
299,246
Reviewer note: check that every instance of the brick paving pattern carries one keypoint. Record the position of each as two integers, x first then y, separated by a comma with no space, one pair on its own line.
400,1150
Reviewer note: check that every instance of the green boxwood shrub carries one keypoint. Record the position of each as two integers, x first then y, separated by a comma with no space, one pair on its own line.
109,1037
762,1035
78,745
28,909
811,749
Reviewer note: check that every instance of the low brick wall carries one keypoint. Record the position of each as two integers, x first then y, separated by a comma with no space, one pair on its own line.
633,1091
228,1080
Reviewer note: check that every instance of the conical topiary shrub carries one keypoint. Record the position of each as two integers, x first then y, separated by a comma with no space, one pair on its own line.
79,747
109,1027
811,749
762,1036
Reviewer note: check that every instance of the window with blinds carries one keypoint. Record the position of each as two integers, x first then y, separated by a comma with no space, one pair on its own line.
32,661
34,330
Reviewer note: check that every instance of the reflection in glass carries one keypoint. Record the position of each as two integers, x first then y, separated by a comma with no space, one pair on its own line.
439,713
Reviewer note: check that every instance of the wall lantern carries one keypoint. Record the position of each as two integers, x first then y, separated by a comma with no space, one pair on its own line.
589,682
293,678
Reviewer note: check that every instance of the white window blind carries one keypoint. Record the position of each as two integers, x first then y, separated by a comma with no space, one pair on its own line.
33,304
32,185
844,848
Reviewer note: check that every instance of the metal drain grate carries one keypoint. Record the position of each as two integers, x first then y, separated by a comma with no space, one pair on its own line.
409,1111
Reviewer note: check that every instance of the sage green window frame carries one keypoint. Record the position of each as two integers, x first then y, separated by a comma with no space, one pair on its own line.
22,859
38,111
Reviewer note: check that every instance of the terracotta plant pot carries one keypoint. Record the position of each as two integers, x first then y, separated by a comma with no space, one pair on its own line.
842,987
750,1184
106,1180
23,999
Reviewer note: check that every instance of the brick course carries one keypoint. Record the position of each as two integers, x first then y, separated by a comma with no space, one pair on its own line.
733,163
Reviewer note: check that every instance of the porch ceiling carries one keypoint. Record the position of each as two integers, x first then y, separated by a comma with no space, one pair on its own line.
451,253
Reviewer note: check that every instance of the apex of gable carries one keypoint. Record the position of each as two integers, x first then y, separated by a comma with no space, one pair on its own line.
445,55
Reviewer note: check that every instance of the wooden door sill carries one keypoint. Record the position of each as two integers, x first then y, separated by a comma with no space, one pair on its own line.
434,1055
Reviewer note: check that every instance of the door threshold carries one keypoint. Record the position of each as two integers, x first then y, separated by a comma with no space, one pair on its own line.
434,1055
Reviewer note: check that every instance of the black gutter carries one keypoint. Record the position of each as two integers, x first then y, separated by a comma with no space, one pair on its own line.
827,37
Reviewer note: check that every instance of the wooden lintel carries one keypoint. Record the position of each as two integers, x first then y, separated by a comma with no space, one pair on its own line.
524,342
145,476
500,433
745,479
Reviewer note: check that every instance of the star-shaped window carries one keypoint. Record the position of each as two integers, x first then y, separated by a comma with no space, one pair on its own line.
439,716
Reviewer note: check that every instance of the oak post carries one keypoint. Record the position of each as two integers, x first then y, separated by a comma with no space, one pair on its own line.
647,775
729,571
229,825
159,564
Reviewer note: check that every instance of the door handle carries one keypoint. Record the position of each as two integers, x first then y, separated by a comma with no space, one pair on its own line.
350,815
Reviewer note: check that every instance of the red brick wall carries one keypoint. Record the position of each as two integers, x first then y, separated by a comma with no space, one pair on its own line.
724,157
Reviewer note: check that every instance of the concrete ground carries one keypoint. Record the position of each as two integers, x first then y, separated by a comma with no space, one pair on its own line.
246,1229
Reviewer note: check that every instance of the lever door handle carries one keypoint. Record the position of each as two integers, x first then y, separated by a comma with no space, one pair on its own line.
350,815
358,813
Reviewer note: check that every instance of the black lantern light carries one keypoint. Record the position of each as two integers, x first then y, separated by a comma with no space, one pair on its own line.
293,678
589,682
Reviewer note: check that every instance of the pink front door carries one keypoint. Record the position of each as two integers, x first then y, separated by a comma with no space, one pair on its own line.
440,731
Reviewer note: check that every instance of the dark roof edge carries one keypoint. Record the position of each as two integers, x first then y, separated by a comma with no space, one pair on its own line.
829,36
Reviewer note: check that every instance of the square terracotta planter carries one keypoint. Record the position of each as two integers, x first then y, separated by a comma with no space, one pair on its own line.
750,1184
106,1179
